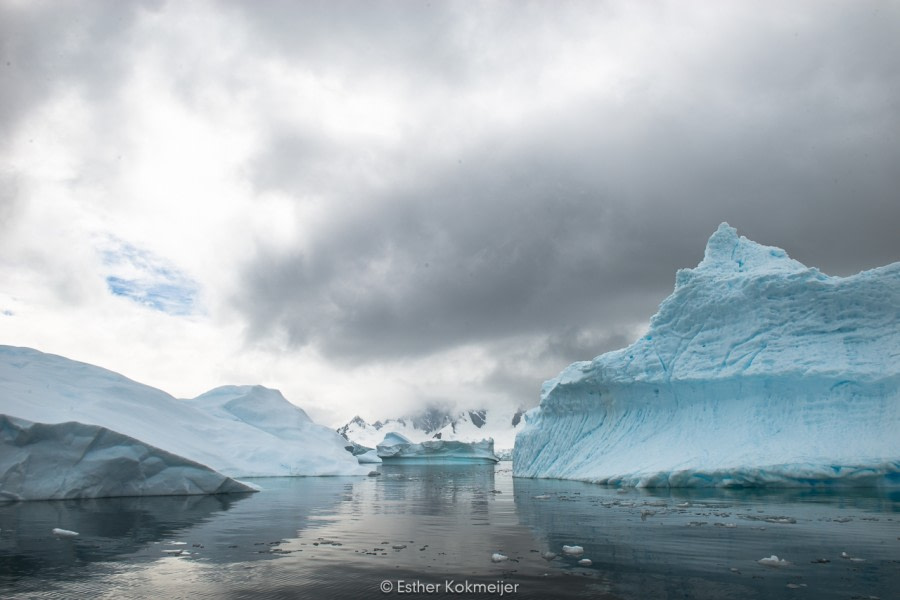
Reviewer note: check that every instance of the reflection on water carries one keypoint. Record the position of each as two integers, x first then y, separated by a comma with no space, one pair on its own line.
342,537
108,528
707,543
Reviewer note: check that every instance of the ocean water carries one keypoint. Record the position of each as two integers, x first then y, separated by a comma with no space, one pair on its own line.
430,532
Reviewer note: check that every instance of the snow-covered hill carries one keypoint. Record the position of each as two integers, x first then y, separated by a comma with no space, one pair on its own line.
240,431
756,370
500,424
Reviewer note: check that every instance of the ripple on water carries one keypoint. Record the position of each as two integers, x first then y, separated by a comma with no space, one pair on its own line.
342,537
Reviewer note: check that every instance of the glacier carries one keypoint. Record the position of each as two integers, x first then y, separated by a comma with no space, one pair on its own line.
396,448
239,431
41,461
755,371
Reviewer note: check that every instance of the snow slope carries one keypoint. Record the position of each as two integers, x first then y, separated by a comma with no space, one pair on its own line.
73,460
314,449
756,371
238,431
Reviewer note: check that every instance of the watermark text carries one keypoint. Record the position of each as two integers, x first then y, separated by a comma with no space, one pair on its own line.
448,586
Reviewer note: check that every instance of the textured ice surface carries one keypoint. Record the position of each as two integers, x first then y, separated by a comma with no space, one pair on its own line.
73,460
756,371
241,431
397,449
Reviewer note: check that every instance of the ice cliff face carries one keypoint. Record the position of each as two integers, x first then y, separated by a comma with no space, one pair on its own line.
74,460
756,371
240,431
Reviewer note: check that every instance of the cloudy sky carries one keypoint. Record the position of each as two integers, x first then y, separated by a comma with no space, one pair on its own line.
376,205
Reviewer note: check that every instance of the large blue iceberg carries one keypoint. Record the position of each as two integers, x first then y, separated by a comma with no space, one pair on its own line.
757,370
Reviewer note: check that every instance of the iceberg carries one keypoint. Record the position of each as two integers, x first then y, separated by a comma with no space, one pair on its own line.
441,423
59,461
755,371
398,449
239,431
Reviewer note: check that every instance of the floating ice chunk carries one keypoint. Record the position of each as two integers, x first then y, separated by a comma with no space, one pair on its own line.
64,532
497,557
773,561
585,562
573,550
548,556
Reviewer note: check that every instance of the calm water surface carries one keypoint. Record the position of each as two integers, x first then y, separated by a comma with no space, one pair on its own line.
416,529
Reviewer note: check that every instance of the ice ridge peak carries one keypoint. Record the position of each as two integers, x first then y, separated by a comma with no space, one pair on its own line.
756,370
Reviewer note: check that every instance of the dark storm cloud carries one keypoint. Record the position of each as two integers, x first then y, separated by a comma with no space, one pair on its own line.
577,220
481,252
51,47
10,204
522,367
439,43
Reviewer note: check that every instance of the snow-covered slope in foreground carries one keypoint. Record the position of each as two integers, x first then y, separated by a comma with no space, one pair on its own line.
73,460
241,431
756,371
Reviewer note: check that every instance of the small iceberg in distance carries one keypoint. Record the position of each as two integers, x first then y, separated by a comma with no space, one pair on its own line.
398,449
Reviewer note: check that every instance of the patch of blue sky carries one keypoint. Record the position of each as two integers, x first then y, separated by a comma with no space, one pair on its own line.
147,279
169,298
